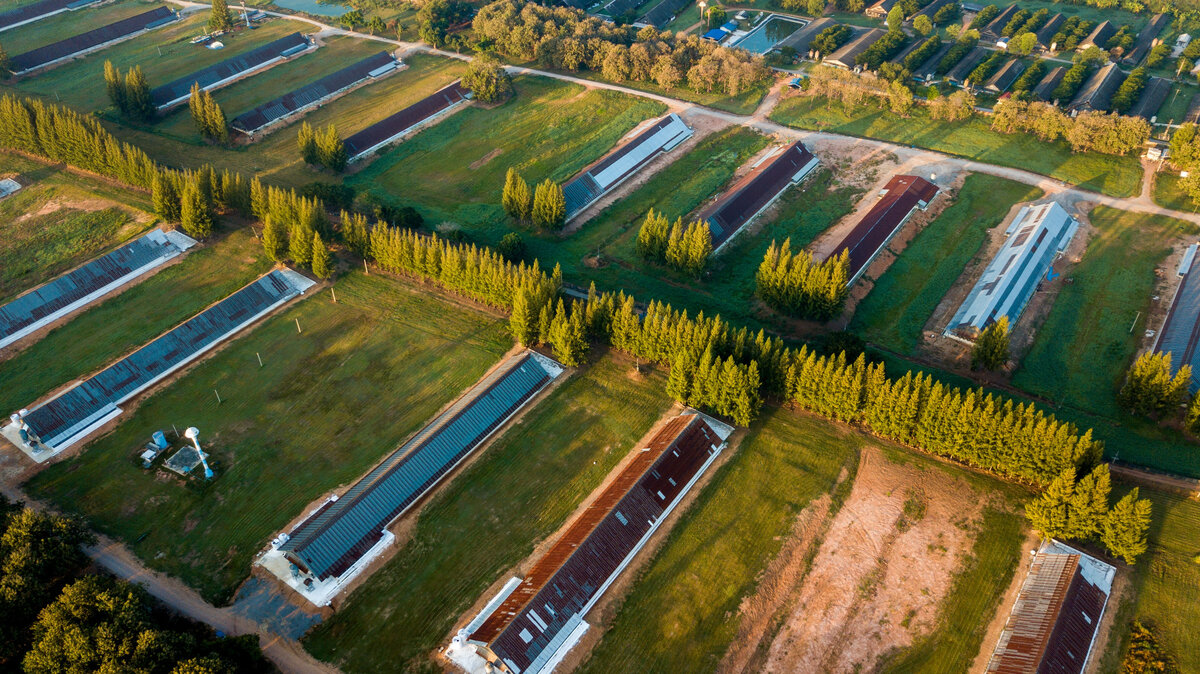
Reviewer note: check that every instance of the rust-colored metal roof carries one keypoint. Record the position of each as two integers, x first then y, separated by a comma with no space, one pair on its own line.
572,572
903,193
1052,622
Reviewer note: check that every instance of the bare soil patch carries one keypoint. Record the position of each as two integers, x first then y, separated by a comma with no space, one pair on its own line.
882,570
482,161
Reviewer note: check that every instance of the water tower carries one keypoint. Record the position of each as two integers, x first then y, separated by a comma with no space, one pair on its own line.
193,434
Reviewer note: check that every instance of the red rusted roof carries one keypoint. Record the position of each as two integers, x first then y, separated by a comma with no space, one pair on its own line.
903,194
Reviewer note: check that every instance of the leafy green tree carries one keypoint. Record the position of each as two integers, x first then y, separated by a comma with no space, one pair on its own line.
1145,654
351,19
300,244
922,25
165,197
991,347
487,79
522,322
1193,415
322,262
306,138
516,198
1023,44
895,18
376,25
512,247
274,239
219,17
815,7
1088,506
1125,527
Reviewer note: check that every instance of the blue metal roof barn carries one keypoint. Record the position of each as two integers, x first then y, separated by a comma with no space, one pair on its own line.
83,408
229,70
328,544
1036,237
600,178
83,285
43,56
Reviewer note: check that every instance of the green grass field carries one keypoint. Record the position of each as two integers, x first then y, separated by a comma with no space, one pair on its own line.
164,55
1166,582
905,296
1167,193
68,24
1116,176
106,331
329,403
550,129
518,492
682,613
58,221
1091,318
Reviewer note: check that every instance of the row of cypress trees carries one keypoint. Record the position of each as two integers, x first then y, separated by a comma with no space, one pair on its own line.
682,247
208,115
545,207
130,93
323,147
1080,510
797,284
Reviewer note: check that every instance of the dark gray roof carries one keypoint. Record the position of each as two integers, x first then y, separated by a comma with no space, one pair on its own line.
1004,77
997,24
310,93
930,9
929,67
1181,332
1045,88
332,540
662,13
963,68
1097,92
846,54
404,120
93,38
1152,98
801,39
903,53
1099,35
1145,39
39,9
1193,110
229,68
1049,29
757,189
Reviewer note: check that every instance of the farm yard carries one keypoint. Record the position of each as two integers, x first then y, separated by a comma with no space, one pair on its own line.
60,26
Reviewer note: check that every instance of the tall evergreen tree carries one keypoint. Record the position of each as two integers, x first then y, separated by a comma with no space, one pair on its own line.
991,347
137,95
300,244
1125,527
549,205
1050,512
306,138
165,198
194,214
274,239
1149,387
219,17
114,84
1192,420
5,62
332,150
322,262
1089,504
522,320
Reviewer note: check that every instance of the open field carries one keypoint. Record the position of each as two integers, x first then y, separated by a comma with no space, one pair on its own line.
1091,317
123,322
973,138
520,490
58,221
68,24
1166,581
550,129
366,372
905,296
80,83
1168,193
275,157
682,613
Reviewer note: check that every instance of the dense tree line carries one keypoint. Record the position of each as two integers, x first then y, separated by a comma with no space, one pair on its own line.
923,53
980,74
323,147
726,387
437,18
797,284
957,52
129,94
293,226
1086,132
1030,78
1072,80
984,16
569,39
682,247
852,89
956,107
1079,510
829,40
1145,654
883,49
1072,32
210,119
545,207
1149,388
1129,91
1184,155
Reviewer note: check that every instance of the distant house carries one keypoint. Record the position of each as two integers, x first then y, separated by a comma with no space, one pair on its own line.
1004,77
992,31
1181,43
1153,96
1099,36
1193,110
1046,33
880,9
801,39
1044,90
928,70
929,10
903,53
1097,92
959,73
1146,40
844,57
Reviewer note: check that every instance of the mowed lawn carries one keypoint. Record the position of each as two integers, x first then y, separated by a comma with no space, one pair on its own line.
549,129
275,157
164,55
1168,193
366,372
69,24
124,322
682,613
58,221
1091,317
973,138
1165,584
519,491
893,314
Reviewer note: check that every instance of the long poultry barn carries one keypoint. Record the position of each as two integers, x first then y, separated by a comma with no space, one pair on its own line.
39,10
534,622
1180,333
83,408
229,70
314,93
406,121
1053,623
83,285
614,168
898,200
92,39
1035,239
766,182
334,544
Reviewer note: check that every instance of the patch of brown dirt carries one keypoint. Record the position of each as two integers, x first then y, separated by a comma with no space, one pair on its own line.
882,570
482,161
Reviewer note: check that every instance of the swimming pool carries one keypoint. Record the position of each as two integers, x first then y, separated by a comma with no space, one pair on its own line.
772,31
314,7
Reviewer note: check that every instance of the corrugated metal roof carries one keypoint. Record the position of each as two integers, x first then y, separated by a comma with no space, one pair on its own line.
1097,92
1045,88
122,262
401,122
1011,278
61,418
1049,29
1146,38
846,54
230,67
1099,35
1181,332
629,158
995,27
1152,98
902,195
1005,76
527,626
309,94
329,543
756,191
963,68
36,58
37,10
